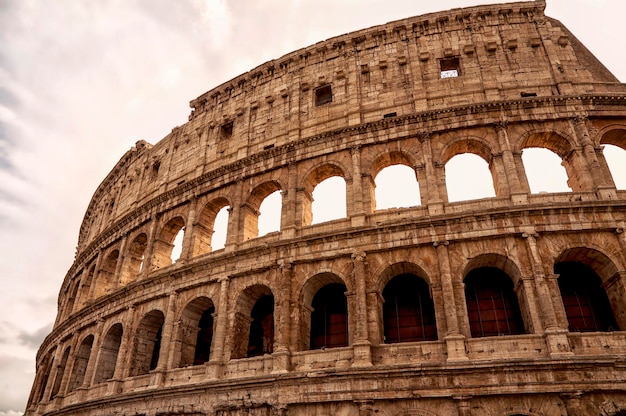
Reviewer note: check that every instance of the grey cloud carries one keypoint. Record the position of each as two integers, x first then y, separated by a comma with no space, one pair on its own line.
17,377
34,339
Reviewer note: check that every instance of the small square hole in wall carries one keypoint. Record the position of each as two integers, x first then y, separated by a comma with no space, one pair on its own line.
323,95
227,129
450,67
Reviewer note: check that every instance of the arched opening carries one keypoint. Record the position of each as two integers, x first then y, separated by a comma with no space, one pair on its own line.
616,159
329,200
408,310
270,213
80,363
71,299
254,323
544,170
492,305
396,187
135,258
468,177
211,229
147,346
586,304
220,228
261,338
196,332
329,318
106,275
86,282
202,352
47,369
177,249
60,373
262,211
168,245
324,195
108,354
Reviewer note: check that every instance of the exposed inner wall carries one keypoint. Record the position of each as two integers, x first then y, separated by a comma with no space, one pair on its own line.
502,52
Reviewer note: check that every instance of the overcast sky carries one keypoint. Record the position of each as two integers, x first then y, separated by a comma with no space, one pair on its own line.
82,80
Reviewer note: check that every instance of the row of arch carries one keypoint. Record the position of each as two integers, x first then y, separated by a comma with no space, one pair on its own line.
498,155
494,306
223,220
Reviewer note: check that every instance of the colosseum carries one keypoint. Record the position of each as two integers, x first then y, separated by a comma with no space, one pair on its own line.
499,306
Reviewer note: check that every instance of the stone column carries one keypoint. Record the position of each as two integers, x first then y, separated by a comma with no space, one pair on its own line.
356,205
599,176
434,177
190,233
124,357
556,336
282,354
455,341
573,404
221,317
117,276
499,176
463,404
90,372
361,344
94,278
518,195
166,342
288,221
147,266
68,368
366,407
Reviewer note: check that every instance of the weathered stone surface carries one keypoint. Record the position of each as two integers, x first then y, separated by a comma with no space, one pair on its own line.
134,330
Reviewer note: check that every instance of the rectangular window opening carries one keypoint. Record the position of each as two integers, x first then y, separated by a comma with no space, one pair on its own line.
227,129
323,95
450,67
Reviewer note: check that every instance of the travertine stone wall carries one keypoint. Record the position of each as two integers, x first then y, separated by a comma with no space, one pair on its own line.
127,330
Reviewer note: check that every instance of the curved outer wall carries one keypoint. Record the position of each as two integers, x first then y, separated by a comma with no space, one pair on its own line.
129,318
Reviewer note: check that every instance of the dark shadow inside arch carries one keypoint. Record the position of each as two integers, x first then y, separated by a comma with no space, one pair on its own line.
586,303
492,305
261,338
408,311
329,319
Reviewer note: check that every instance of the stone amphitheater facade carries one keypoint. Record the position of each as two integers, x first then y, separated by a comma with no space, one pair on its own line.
511,305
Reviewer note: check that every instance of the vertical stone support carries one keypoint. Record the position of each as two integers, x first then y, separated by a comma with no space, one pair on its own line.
499,177
147,267
518,195
282,353
556,336
362,346
190,233
234,234
117,277
68,368
288,222
598,174
90,372
94,278
366,407
573,404
54,373
463,404
615,288
356,206
125,354
521,172
221,318
455,341
529,299
435,177
166,352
